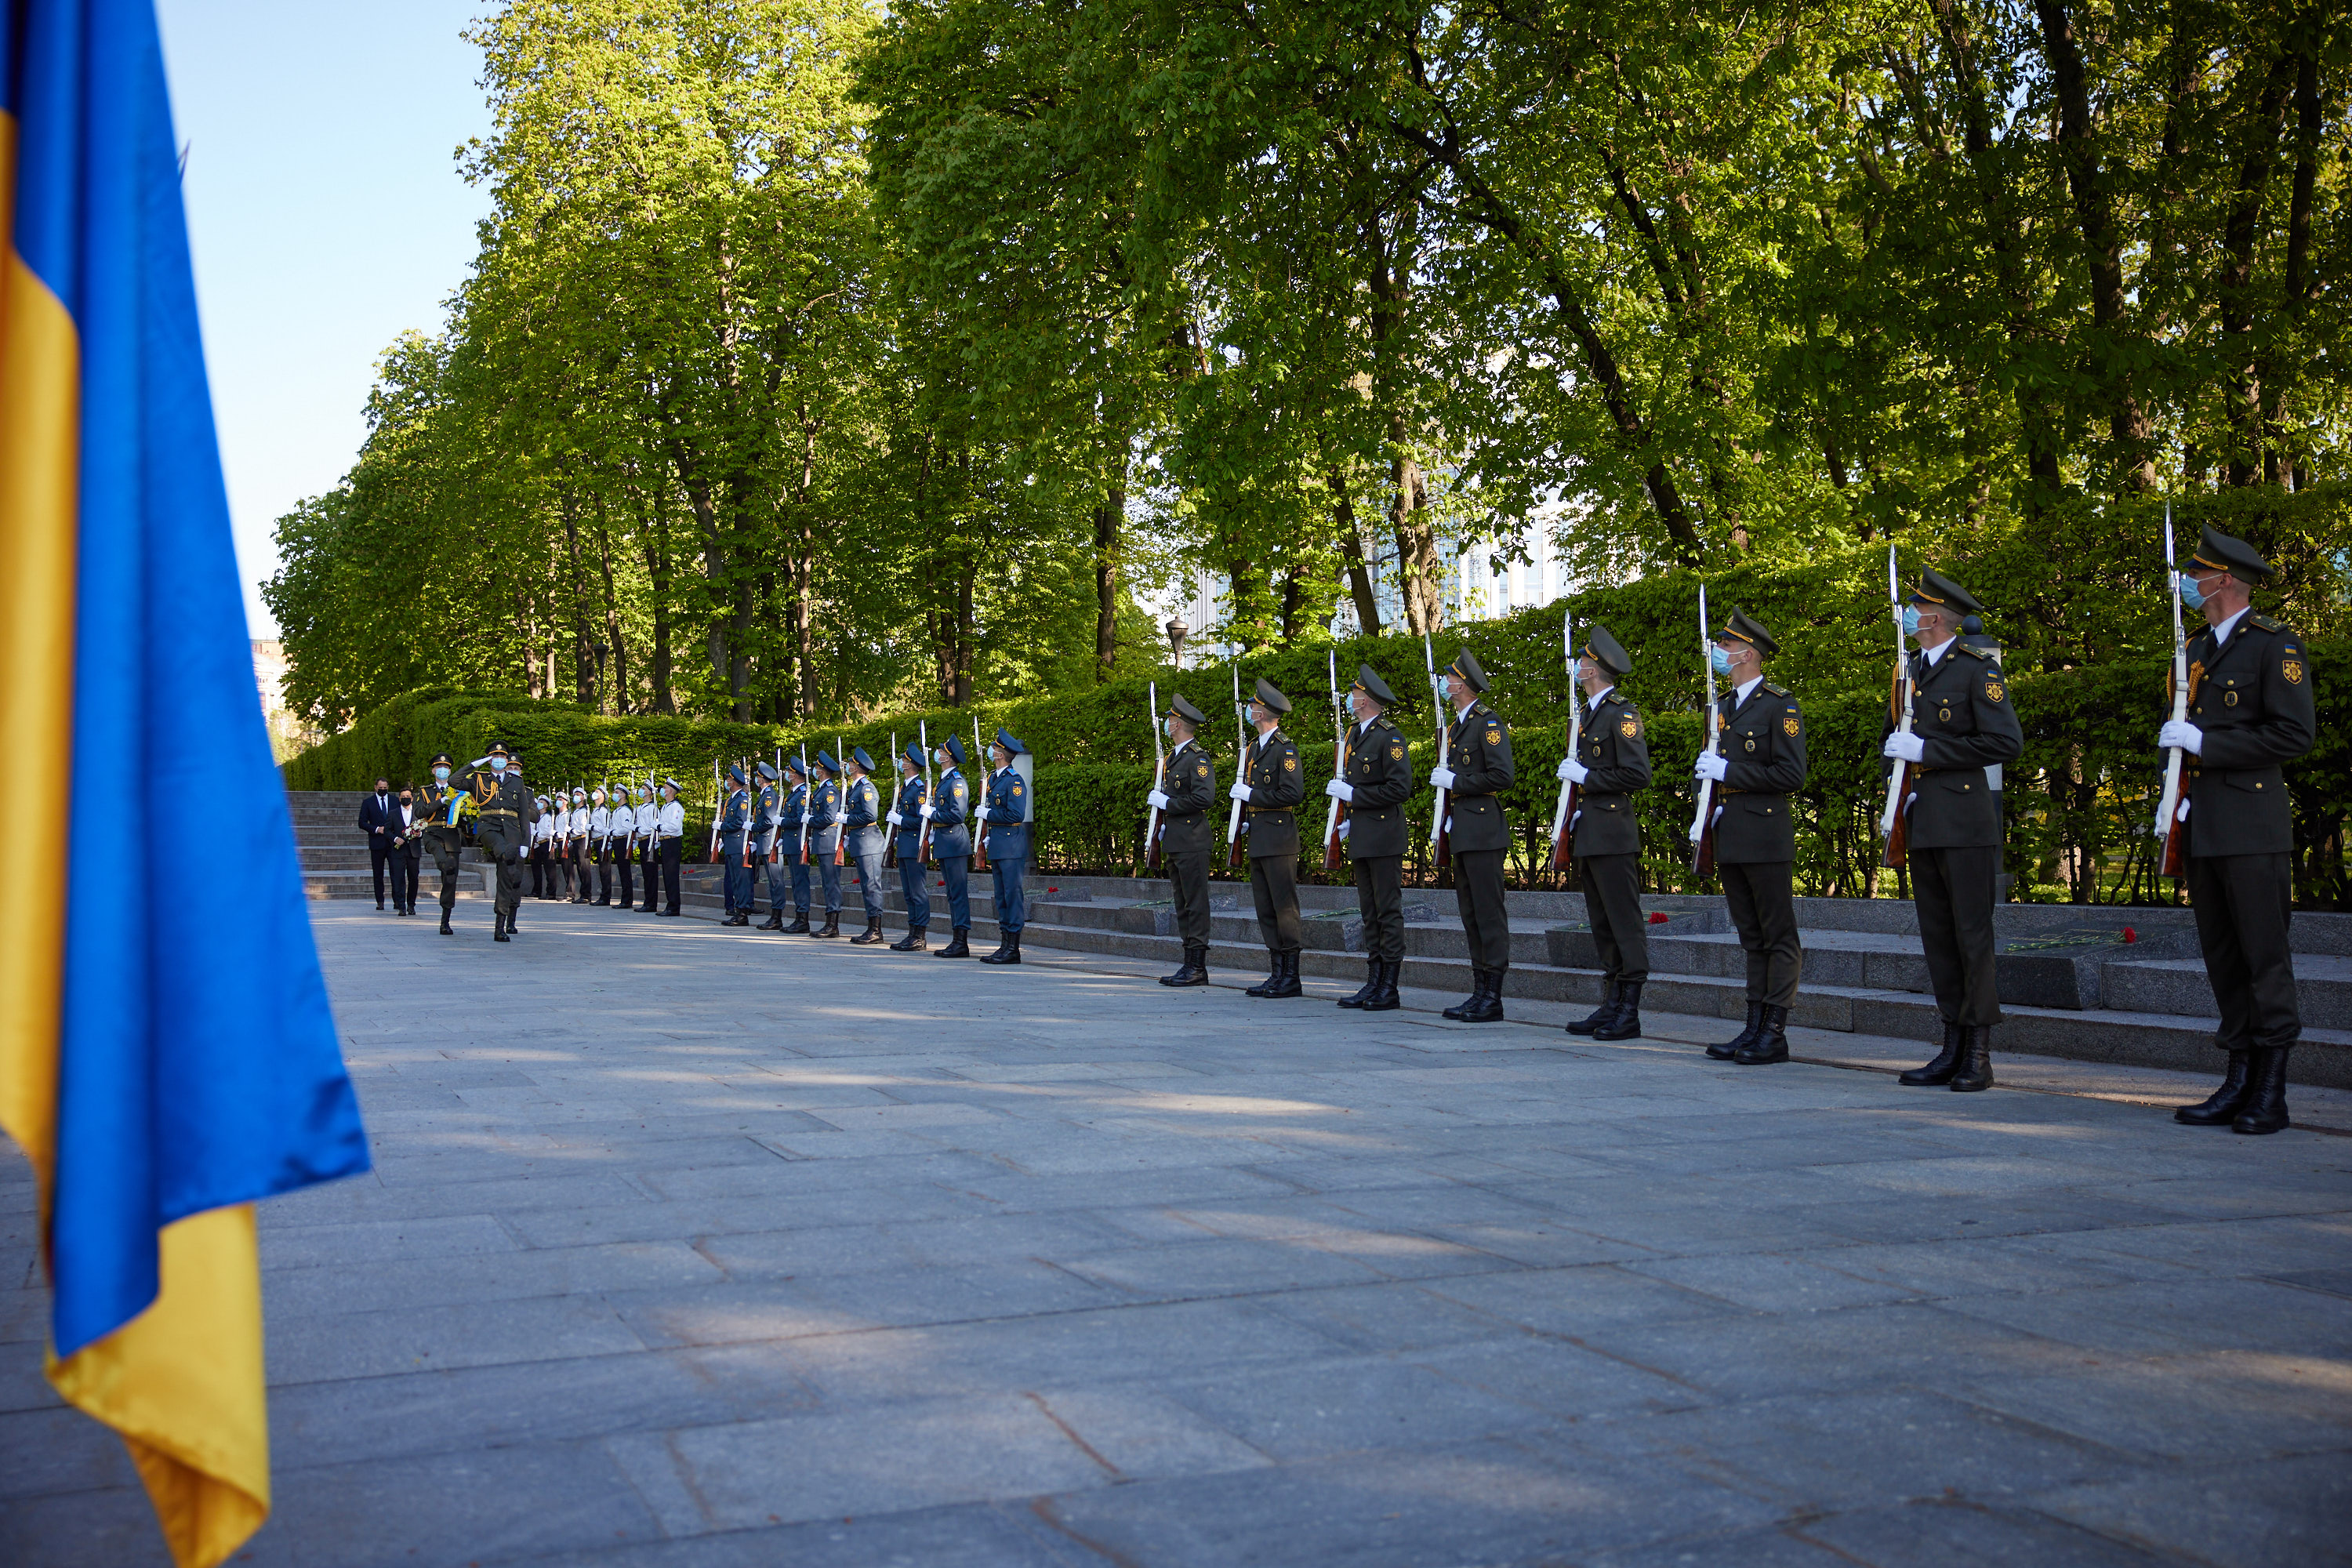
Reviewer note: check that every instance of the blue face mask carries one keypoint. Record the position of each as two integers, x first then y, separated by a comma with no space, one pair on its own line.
2192,595
1718,660
497,766
441,774
1910,620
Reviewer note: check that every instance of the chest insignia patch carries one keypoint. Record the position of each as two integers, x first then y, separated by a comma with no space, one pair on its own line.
1994,690
1629,727
1751,745
1789,725
1396,752
2292,669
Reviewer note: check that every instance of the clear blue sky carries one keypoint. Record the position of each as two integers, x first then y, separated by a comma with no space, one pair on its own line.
327,216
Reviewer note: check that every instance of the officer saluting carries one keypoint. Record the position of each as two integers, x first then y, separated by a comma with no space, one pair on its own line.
443,834
1188,788
1006,813
1962,723
1270,788
907,822
1376,777
1478,770
1761,760
1613,761
2251,711
504,816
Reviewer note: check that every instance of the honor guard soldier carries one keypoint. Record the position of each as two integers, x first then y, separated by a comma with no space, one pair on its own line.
1962,724
792,841
1188,837
649,812
1761,762
1478,770
734,845
821,838
444,812
504,815
1270,788
1613,761
949,811
620,847
2251,711
1376,777
1006,814
670,825
861,821
906,816
600,835
535,856
765,801
580,849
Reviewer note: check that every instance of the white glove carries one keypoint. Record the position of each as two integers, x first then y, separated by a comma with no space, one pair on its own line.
1572,771
1239,792
1157,799
924,812
1339,789
896,820
1441,777
1711,767
2180,732
1904,748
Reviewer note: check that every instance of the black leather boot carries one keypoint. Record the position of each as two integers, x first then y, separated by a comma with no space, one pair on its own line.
2227,1101
1192,972
1476,1000
775,921
2266,1107
1976,1060
1939,1071
1627,1024
831,927
1371,988
1488,1005
1010,952
915,940
1602,1014
957,947
1771,1042
1273,976
739,919
497,927
1285,977
800,926
445,924
869,937
1742,1040
1385,1000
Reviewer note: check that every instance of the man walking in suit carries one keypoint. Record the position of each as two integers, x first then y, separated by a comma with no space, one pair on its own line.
375,820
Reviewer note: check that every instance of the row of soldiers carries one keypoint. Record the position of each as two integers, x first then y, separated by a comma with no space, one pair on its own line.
2249,710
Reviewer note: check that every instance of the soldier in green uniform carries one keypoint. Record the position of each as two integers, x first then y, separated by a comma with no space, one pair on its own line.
2251,711
1188,837
505,812
1761,762
1613,761
1270,788
1479,769
1962,723
444,810
1376,775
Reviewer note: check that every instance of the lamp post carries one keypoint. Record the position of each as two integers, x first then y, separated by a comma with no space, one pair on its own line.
1177,632
601,651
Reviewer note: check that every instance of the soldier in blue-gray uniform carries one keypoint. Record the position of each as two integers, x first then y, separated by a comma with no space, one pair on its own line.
949,812
906,816
861,820
764,802
734,830
824,839
1006,813
791,833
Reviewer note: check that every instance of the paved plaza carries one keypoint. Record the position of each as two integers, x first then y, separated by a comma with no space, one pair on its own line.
700,1248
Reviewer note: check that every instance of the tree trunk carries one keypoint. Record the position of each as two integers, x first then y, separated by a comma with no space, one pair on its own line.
1351,551
613,633
1108,516
584,661
2238,305
2278,370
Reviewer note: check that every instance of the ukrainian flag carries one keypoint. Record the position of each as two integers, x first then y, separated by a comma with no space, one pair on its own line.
161,1074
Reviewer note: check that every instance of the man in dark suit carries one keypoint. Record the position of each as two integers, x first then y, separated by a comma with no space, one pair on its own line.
1188,788
1613,761
1477,770
2251,711
1375,778
1270,788
376,813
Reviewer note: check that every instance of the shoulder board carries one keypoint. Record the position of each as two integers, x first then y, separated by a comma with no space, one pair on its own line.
1775,690
1382,721
2255,619
1972,652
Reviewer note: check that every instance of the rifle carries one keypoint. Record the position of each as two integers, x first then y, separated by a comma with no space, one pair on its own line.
923,824
979,829
1159,782
1241,769
2168,810
1701,831
890,842
1338,814
841,789
776,820
714,811
808,782
1563,815
1894,826
1441,848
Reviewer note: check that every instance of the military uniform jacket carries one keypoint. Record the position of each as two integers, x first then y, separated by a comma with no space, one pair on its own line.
1270,767
791,817
1379,767
734,821
504,802
1479,752
763,820
1003,811
950,806
823,824
2254,700
862,815
1188,780
433,810
1616,747
912,792
1966,723
1764,746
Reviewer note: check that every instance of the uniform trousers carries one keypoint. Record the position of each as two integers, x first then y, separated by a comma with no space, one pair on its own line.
445,844
628,876
798,871
2243,904
652,853
1011,904
915,888
1188,874
955,870
869,884
407,861
1612,900
828,876
502,842
1274,888
1764,908
605,875
1380,898
670,853
780,884
1486,921
739,880
1952,889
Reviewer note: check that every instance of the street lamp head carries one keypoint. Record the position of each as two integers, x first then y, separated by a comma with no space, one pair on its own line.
1177,632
